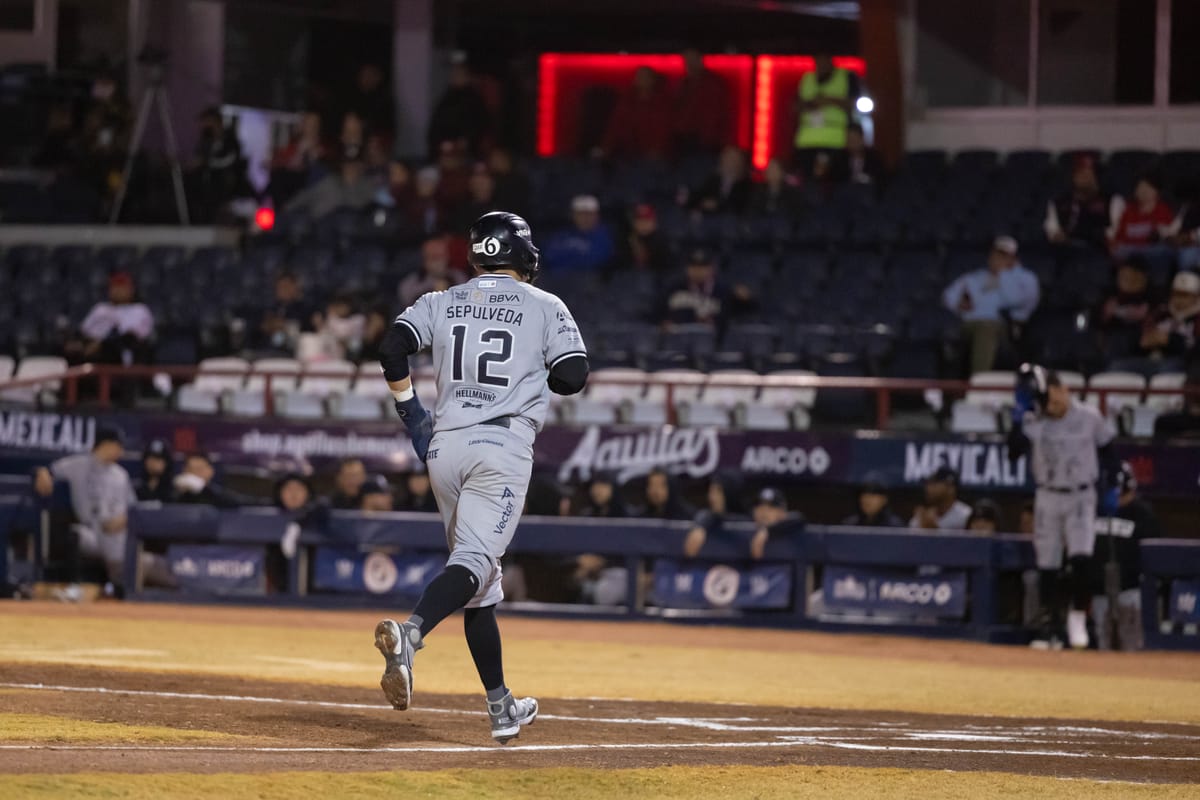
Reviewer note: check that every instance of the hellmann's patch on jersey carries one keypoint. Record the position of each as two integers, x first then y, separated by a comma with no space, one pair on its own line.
476,393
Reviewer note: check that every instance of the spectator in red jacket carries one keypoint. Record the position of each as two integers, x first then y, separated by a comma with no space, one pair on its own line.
701,108
1144,225
640,125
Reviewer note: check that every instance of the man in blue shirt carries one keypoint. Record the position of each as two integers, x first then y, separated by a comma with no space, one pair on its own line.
587,246
990,300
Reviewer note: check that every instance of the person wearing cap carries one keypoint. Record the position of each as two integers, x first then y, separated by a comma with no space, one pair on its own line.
1116,566
101,494
348,187
701,298
376,495
120,329
1143,227
646,248
1171,331
155,482
942,510
991,301
874,510
985,517
1083,215
771,520
587,246
1123,312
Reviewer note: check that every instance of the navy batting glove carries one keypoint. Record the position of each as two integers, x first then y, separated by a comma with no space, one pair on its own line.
1109,501
418,422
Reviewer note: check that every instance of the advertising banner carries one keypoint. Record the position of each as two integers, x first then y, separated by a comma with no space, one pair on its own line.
761,586
218,569
892,591
351,571
1183,608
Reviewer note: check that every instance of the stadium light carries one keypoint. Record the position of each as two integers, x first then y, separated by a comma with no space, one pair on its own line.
865,105
264,218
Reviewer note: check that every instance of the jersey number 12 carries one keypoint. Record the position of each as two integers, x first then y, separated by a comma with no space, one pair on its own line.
459,334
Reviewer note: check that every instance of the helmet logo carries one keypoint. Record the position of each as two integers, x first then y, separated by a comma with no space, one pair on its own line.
490,246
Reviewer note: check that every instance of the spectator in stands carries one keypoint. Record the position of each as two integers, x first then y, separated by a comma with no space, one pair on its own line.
985,517
942,510
1120,319
772,521
1144,226
196,484
587,246
352,135
348,484
300,162
993,302
874,510
1186,421
418,494
460,115
481,198
661,499
721,506
435,274
727,190
827,99
1082,216
286,317
1185,231
640,125
376,495
646,248
426,213
104,141
858,164
218,172
155,482
371,100
512,186
101,494
350,187
1171,331
603,500
294,498
778,194
701,298
341,327
1118,539
454,176
701,113
378,321
119,330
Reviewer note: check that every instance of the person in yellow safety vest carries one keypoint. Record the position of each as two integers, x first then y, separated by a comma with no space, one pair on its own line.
827,103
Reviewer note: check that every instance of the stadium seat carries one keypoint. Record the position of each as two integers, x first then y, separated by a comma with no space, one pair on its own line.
299,405
1131,383
600,402
352,406
715,404
779,407
651,409
36,367
1166,402
978,411
370,381
220,383
332,377
192,399
7,365
287,373
244,403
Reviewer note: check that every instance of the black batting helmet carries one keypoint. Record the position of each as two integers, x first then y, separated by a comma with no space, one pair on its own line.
1036,382
500,239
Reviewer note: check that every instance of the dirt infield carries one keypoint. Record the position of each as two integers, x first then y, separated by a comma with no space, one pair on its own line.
295,726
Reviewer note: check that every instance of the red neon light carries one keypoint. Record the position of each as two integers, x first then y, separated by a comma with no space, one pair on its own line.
560,76
774,98
264,218
764,121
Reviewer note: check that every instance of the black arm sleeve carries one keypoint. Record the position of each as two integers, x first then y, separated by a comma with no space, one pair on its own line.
568,375
1110,464
1018,443
398,344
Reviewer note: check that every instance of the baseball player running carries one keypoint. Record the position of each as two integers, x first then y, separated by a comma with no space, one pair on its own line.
499,347
1070,448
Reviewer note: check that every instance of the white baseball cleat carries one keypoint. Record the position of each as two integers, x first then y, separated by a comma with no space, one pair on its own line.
509,716
397,641
1077,633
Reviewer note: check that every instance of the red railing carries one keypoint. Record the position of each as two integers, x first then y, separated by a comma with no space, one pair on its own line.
884,388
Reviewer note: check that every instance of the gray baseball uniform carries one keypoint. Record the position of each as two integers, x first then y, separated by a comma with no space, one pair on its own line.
1065,468
494,340
99,492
